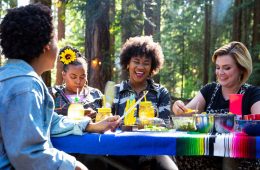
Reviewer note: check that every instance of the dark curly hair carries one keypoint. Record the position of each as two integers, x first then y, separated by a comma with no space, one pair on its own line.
142,46
25,31
80,60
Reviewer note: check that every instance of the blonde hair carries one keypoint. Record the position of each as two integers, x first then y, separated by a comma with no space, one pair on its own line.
240,54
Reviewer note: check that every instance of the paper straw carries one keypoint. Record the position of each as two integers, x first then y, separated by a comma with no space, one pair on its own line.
145,96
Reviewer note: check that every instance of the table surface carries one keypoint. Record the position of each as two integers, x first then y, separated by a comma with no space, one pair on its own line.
236,145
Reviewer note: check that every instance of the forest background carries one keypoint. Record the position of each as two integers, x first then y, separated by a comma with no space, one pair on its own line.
189,31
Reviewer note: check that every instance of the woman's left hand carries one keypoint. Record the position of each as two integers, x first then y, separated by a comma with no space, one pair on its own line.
90,113
110,123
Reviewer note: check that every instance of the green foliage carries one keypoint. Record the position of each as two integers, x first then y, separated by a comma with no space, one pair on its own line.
75,25
182,42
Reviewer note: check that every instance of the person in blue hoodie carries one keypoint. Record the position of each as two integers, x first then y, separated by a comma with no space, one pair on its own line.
27,119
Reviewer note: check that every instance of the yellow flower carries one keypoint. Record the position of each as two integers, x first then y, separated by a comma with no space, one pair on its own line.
67,56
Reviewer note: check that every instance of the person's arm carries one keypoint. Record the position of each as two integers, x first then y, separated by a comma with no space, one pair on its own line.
255,99
255,109
110,123
26,136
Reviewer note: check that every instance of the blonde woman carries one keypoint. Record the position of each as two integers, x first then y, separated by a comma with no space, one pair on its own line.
233,68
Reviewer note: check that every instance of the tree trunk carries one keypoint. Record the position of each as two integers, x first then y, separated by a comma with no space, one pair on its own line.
97,43
46,76
246,20
13,3
61,35
112,14
152,23
256,32
237,18
132,14
45,2
207,35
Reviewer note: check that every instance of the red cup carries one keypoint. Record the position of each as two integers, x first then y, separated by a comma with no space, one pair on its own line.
235,103
246,117
251,117
257,116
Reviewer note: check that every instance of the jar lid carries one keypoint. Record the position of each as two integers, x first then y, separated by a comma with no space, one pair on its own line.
146,103
104,109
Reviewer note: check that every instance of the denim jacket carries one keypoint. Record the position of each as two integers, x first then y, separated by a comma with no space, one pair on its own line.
157,94
27,121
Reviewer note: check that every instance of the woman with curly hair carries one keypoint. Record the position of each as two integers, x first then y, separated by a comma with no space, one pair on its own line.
142,58
27,117
74,74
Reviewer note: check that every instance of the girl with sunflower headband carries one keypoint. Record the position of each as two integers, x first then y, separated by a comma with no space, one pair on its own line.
74,74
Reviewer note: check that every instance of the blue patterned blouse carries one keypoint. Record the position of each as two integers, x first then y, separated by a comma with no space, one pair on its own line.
157,94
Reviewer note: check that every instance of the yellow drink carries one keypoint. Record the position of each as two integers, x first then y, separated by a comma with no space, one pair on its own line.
76,111
103,113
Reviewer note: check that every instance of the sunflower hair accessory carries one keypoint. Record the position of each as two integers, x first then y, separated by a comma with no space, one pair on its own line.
67,55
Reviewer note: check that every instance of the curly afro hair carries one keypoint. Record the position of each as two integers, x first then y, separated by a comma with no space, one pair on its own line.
142,46
25,31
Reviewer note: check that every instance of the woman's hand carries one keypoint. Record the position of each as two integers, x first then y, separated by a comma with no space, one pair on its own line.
179,107
90,113
110,123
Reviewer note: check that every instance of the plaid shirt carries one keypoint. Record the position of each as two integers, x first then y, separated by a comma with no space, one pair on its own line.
92,98
157,94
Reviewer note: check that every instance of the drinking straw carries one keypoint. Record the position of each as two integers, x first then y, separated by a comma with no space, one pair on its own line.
104,101
145,96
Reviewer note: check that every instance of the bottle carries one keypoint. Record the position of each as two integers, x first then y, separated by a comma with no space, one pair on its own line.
76,110
103,113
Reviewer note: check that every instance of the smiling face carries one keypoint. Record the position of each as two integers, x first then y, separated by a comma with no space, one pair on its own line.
75,78
227,71
139,69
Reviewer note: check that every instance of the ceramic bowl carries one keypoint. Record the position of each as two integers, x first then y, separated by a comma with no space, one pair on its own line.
224,123
250,127
204,122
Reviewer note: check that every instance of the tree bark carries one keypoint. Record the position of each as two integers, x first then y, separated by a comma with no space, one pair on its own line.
13,3
97,43
131,25
152,23
246,20
207,35
61,35
44,2
256,32
237,18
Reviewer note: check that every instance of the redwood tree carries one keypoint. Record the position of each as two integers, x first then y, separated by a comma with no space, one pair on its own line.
98,43
61,35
